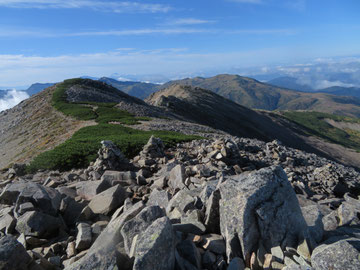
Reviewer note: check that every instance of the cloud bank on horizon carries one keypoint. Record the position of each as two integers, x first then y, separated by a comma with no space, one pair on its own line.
11,98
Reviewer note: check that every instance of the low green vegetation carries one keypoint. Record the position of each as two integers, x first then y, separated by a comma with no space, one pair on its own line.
82,147
314,124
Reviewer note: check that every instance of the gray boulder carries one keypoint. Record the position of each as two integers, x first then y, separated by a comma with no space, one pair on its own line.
84,236
177,177
13,255
139,224
38,224
108,248
159,197
89,189
260,205
313,218
155,247
44,198
108,200
341,255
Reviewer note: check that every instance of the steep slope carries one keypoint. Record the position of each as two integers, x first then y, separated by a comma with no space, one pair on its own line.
254,94
136,89
34,126
207,108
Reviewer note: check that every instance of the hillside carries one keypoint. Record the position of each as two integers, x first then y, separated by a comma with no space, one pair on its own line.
32,127
256,95
207,108
136,89
63,125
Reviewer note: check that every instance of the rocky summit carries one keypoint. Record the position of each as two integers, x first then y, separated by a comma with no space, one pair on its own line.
228,203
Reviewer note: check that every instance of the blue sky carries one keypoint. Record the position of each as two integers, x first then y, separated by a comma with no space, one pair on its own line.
51,40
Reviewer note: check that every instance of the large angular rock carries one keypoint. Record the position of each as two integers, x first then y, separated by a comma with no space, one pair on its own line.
139,224
108,249
11,192
155,247
12,254
313,218
89,189
177,177
341,255
7,223
159,197
108,200
260,205
44,198
38,224
84,236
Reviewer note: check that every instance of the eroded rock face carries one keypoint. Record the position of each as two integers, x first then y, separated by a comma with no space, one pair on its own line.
260,205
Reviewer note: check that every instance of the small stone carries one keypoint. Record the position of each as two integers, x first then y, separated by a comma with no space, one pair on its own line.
215,243
71,249
277,254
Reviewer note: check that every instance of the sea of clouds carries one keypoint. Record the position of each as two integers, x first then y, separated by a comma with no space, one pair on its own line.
11,98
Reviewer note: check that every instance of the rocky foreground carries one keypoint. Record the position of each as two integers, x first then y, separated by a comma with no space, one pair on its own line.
230,203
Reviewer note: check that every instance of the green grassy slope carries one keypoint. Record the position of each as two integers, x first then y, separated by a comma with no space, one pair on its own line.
314,124
82,147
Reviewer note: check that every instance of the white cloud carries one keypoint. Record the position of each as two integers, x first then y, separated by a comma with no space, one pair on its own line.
188,21
325,84
168,62
109,6
12,98
45,33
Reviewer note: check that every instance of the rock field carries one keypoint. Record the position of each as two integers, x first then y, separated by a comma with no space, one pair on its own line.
225,203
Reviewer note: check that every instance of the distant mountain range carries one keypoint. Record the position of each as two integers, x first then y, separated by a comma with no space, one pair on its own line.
291,83
257,95
277,94
136,89
37,87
